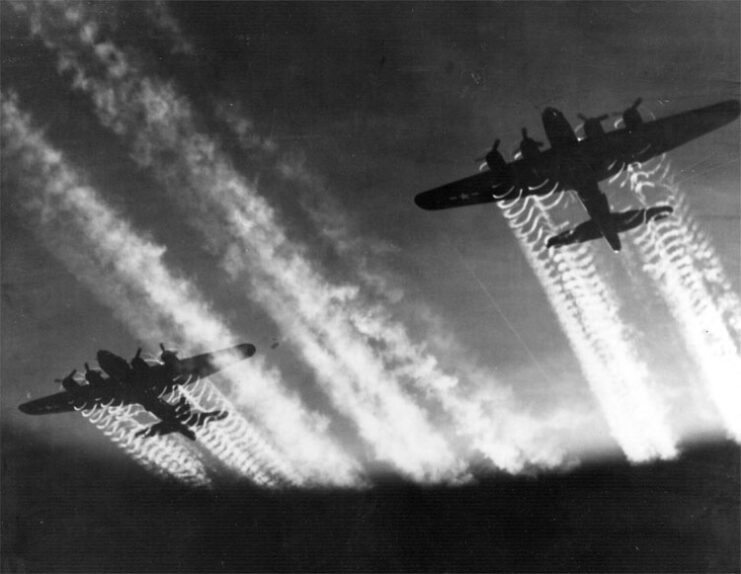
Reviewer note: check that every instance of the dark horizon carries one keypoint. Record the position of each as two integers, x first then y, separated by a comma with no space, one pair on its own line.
113,517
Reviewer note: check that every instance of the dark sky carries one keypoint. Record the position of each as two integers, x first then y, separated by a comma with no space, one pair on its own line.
246,171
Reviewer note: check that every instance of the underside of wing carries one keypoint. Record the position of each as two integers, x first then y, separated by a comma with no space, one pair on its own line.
63,402
86,396
480,188
660,136
202,366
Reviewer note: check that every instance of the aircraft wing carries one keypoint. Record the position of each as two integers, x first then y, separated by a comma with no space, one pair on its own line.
604,155
67,401
205,365
467,191
659,136
63,402
522,177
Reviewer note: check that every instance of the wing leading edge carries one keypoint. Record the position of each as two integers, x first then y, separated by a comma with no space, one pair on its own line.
205,365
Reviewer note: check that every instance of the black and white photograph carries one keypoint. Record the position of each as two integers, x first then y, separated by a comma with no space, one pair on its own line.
330,286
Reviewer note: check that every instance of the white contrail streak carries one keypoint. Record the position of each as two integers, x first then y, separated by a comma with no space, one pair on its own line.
128,273
364,359
318,314
682,263
164,456
589,315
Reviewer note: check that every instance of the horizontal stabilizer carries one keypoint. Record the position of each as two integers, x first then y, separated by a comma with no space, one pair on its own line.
622,221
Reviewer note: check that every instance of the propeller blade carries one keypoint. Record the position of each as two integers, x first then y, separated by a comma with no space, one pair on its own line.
138,353
72,374
162,346
633,106
494,147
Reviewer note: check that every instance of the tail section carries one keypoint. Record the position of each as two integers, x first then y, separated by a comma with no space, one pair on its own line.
183,421
609,227
166,427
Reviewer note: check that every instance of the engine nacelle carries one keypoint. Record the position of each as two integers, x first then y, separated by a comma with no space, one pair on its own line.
529,148
170,360
495,161
139,365
92,376
632,117
69,383
593,126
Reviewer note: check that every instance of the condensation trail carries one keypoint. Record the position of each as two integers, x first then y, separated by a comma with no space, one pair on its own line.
365,360
588,312
364,357
505,434
163,456
233,439
680,259
156,300
159,123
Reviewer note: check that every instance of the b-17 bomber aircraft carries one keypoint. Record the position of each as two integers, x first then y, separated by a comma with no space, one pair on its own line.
579,165
145,384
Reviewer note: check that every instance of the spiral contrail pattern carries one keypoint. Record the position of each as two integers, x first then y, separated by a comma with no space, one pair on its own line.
679,258
588,310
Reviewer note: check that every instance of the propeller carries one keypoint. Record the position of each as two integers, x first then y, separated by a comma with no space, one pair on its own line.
92,376
165,355
162,348
525,137
632,107
70,376
493,148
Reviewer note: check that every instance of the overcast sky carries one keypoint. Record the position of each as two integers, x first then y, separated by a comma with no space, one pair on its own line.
246,172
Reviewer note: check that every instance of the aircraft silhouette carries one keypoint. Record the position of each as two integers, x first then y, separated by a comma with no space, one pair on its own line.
144,384
579,164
